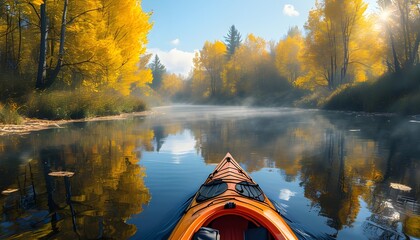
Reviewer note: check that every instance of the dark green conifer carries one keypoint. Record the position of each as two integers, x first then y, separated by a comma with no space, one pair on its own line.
232,40
158,70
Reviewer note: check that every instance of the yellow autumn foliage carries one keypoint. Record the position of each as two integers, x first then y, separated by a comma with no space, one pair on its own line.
208,68
37,2
341,46
242,66
171,84
288,57
104,41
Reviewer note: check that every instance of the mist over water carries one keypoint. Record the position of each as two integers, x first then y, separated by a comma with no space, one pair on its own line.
333,175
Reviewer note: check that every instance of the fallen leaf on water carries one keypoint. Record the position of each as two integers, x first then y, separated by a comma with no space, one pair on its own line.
9,191
61,174
401,187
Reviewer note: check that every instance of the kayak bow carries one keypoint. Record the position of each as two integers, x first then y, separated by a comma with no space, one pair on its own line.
232,206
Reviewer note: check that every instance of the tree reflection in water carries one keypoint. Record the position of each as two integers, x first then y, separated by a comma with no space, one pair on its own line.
107,187
343,165
338,163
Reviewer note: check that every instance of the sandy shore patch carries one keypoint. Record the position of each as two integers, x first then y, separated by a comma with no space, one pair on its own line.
30,124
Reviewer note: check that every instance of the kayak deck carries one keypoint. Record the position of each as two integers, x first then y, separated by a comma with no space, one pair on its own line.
232,204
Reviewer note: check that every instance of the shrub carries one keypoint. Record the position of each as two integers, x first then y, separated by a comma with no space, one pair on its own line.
80,104
394,92
409,104
9,114
349,98
312,100
14,86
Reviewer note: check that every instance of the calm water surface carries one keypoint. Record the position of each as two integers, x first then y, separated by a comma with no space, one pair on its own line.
332,175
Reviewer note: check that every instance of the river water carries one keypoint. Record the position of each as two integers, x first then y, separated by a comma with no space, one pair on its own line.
332,175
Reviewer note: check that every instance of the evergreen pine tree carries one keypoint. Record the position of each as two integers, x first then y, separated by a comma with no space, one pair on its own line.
232,40
158,70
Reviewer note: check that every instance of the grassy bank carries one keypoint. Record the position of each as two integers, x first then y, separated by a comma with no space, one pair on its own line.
56,105
9,114
396,93
80,104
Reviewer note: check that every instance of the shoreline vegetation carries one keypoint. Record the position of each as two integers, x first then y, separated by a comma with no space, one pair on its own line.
72,59
55,66
393,93
397,93
344,58
28,125
65,105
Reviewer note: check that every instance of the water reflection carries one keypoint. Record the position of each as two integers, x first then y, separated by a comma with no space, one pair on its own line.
107,187
332,172
338,160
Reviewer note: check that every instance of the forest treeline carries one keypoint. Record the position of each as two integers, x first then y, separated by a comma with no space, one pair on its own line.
74,59
69,59
341,58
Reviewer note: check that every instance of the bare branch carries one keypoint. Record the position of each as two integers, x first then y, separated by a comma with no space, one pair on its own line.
82,62
34,8
82,13
30,23
8,31
123,36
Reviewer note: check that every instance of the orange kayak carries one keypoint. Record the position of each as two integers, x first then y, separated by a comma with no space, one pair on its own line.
229,206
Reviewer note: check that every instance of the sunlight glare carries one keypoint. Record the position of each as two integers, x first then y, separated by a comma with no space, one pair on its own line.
384,15
383,18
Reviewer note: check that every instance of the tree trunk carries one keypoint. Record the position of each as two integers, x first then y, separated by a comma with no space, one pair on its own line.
6,48
403,26
19,55
331,77
346,40
57,68
414,53
12,56
397,66
42,71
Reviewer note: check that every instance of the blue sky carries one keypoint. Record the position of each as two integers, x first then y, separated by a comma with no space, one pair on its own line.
181,27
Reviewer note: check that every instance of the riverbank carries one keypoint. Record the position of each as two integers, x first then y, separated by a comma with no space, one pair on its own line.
393,93
32,124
